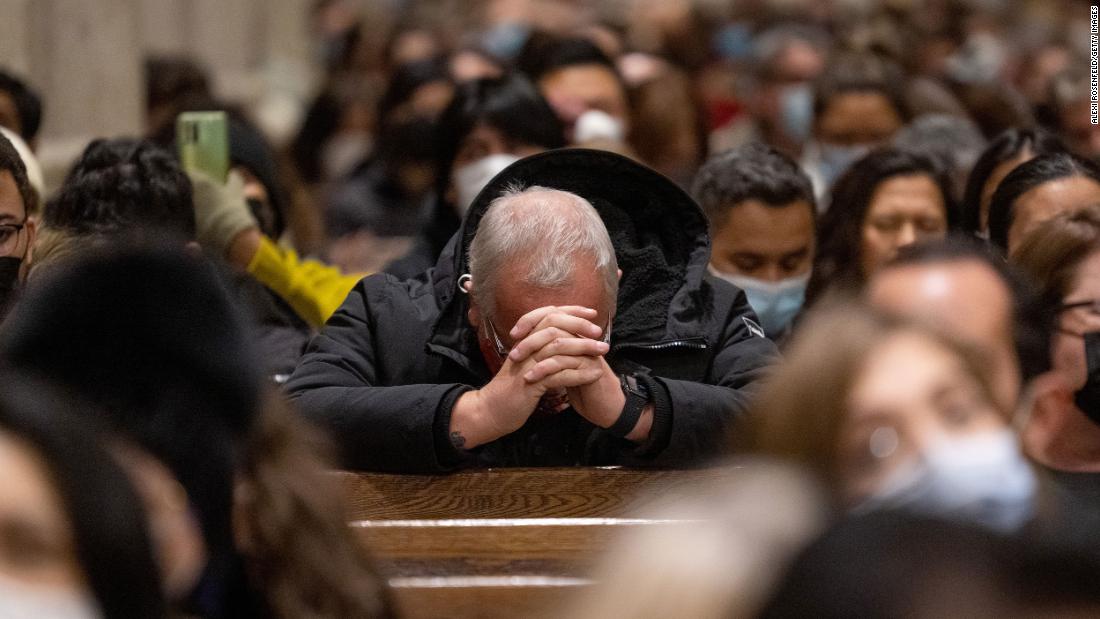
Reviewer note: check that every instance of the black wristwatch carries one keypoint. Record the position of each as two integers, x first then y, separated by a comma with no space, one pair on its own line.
637,396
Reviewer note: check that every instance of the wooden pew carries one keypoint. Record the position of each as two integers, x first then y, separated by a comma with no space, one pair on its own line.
509,493
498,543
483,597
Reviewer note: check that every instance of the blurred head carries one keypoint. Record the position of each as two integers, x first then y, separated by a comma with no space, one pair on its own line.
1063,254
961,288
242,513
127,187
954,142
471,63
338,130
490,124
17,228
252,157
1036,191
1070,95
857,106
760,207
171,83
894,415
668,125
533,248
408,114
151,338
788,58
20,108
75,540
576,77
889,199
1003,154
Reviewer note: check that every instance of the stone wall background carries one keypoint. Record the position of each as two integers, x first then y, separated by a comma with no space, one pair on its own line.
85,58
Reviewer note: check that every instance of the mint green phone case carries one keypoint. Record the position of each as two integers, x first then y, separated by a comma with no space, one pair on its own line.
203,140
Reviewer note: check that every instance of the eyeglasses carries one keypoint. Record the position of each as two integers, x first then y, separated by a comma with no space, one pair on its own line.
503,352
9,237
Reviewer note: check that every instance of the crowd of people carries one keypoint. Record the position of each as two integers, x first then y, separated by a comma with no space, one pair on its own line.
849,251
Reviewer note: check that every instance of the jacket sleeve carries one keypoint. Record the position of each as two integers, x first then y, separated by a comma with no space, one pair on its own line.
313,289
692,421
380,428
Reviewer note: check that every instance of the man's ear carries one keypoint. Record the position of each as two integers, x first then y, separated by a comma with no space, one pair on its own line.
619,274
473,315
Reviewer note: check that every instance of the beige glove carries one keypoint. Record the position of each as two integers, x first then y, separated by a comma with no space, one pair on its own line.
221,212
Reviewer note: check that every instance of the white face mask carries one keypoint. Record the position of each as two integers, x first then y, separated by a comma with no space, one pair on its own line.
598,125
982,479
471,178
19,600
775,303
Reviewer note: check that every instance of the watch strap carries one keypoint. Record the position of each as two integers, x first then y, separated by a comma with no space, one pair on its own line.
636,400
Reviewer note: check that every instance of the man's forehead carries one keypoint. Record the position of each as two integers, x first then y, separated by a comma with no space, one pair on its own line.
959,290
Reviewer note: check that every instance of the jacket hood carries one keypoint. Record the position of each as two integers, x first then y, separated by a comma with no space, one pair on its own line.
658,231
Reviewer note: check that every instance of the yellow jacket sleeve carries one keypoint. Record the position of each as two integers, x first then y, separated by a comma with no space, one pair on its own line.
313,289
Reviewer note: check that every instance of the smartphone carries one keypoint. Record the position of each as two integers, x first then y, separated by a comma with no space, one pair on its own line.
203,139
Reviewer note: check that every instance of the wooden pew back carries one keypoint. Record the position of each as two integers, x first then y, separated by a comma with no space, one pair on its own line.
498,543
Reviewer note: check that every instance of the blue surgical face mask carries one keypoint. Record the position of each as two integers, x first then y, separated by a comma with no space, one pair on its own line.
796,111
983,479
775,303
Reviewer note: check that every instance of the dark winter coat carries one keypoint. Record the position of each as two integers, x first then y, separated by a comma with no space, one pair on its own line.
386,370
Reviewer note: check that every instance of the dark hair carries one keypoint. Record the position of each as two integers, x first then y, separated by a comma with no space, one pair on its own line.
546,53
249,148
405,81
151,336
1006,146
27,105
840,229
169,79
107,516
1032,311
851,72
754,171
323,117
1027,176
510,104
10,161
124,186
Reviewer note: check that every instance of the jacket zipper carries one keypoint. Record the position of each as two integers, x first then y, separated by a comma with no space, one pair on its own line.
693,343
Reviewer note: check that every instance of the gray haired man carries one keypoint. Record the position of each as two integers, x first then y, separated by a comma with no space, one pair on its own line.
571,322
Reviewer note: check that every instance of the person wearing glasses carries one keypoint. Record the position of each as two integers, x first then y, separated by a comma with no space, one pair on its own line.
570,321
17,229
1063,430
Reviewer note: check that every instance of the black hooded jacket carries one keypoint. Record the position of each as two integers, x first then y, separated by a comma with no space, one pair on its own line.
386,370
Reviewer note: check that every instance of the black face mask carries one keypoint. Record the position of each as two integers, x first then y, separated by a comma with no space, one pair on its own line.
9,280
1088,397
